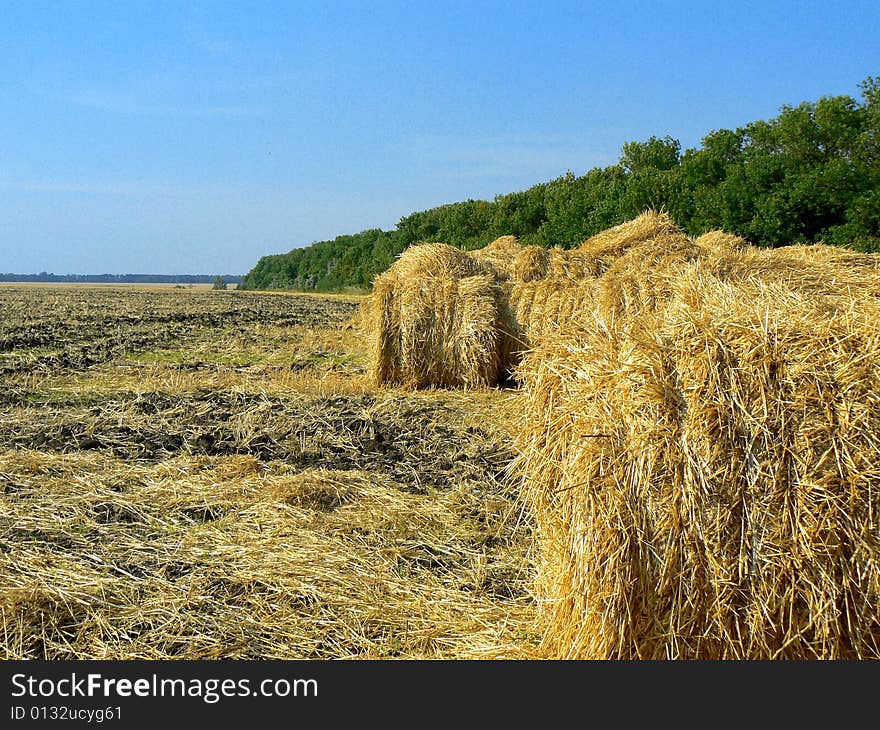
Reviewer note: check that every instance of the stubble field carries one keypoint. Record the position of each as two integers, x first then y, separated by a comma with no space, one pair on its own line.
198,474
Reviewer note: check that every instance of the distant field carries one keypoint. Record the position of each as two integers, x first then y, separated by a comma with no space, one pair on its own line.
102,285
196,474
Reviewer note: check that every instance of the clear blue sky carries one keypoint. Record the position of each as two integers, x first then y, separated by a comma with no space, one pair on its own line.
196,137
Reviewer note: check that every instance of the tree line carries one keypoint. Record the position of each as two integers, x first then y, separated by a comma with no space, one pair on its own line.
810,174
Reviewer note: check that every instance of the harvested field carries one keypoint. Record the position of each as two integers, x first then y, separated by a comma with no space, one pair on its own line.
53,329
689,471
198,474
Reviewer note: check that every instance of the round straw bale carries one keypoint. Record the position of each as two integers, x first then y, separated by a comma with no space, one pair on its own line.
605,246
813,268
384,330
500,255
704,476
531,263
363,317
437,331
570,264
436,259
477,355
721,241
641,276
540,306
407,335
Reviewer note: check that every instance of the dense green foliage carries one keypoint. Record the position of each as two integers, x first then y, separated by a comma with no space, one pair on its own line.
810,174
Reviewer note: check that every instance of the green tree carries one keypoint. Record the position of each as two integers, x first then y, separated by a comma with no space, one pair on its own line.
810,174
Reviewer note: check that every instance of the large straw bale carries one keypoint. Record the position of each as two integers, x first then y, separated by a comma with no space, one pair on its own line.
573,265
606,246
476,353
815,268
537,307
500,255
822,253
531,264
449,332
537,289
437,260
384,330
437,331
721,241
543,305
642,274
516,299
626,268
704,475
420,334
612,268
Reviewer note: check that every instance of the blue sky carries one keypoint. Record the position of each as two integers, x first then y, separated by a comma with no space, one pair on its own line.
196,137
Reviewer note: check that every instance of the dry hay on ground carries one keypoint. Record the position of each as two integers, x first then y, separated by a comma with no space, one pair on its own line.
202,475
704,474
378,530
228,558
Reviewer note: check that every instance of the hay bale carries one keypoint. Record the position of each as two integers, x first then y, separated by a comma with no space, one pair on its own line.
704,475
642,275
572,265
822,253
540,306
531,264
532,310
815,268
444,317
613,269
721,241
535,290
384,331
476,354
439,260
363,316
449,332
435,316
606,246
500,255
